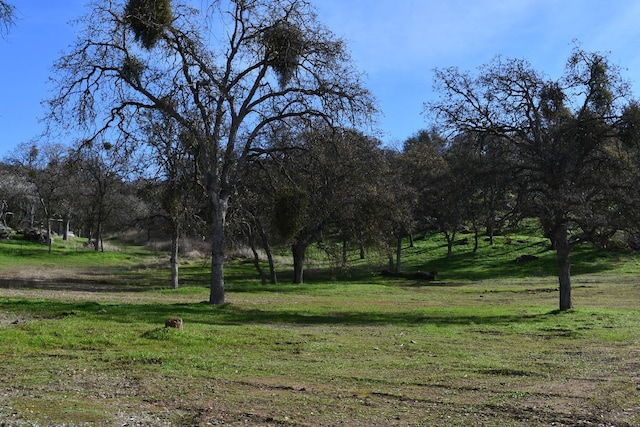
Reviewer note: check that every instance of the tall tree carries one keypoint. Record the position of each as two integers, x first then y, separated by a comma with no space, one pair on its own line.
491,162
172,168
101,170
271,61
420,164
18,195
454,196
255,202
478,186
566,140
393,213
323,186
44,166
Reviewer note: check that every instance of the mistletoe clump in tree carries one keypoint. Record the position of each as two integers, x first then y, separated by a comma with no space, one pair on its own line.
290,208
147,19
209,71
284,44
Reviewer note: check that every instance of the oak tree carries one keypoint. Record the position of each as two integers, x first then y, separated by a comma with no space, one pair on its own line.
566,139
44,166
322,190
223,73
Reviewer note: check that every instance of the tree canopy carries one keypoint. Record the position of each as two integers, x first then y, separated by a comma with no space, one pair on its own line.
270,62
252,113
567,140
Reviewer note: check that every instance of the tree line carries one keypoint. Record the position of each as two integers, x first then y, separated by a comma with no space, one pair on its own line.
245,120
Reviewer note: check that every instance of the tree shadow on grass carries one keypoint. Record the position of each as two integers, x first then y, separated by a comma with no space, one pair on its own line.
232,314
473,267
236,315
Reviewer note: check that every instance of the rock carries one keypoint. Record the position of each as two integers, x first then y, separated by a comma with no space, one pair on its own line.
174,322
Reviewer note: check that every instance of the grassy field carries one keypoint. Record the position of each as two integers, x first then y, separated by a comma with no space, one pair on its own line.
82,341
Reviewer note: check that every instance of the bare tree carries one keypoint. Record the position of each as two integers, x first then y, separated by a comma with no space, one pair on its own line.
18,195
255,205
224,74
172,168
420,165
43,166
100,170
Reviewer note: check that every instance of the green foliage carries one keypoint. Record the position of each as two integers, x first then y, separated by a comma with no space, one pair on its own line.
290,208
630,124
147,19
593,71
284,44
132,69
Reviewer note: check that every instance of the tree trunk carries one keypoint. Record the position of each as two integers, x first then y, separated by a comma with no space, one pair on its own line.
476,239
219,208
345,252
267,248
256,258
451,238
490,232
100,221
49,236
564,267
98,243
299,248
398,254
173,261
32,216
65,228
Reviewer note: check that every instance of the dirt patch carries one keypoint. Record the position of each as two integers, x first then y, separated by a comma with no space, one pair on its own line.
12,319
80,284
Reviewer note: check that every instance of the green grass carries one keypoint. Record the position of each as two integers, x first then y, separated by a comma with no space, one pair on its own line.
481,346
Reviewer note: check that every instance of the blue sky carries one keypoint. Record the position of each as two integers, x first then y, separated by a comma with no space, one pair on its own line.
397,43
